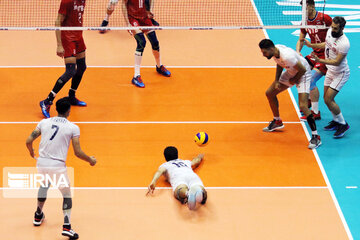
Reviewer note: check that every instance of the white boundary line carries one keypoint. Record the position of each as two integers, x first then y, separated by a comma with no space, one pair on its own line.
62,66
145,188
341,215
161,122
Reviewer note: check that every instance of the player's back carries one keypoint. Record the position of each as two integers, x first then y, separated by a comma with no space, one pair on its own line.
288,59
177,168
136,9
56,134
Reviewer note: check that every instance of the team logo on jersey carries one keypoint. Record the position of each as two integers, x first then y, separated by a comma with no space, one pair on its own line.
80,8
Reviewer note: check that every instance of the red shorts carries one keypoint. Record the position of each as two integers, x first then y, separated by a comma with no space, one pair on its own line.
141,22
73,47
313,64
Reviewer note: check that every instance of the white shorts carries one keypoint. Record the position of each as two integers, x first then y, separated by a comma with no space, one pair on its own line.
336,80
303,86
188,179
55,169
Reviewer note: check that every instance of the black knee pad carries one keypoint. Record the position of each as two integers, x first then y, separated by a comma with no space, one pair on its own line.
154,41
69,73
141,42
67,203
41,199
42,194
80,66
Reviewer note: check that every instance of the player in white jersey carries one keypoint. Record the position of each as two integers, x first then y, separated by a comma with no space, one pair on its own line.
336,46
297,72
186,185
56,134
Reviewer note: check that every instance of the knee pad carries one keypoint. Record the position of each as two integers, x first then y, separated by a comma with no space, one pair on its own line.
41,199
67,203
141,42
154,41
81,66
42,194
69,73
315,76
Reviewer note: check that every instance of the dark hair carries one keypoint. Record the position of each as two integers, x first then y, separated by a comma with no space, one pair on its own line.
63,105
171,153
266,43
339,20
308,2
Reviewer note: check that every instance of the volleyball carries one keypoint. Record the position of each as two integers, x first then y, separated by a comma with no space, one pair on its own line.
201,139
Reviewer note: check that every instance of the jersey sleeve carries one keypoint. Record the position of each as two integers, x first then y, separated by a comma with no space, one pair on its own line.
76,131
39,125
64,6
344,48
327,20
164,165
188,163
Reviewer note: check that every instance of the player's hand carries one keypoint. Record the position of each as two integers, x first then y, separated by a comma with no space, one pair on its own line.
316,58
150,14
307,43
92,161
201,156
151,189
114,1
60,51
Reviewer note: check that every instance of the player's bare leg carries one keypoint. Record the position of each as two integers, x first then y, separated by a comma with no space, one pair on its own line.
271,94
338,123
67,205
75,82
151,35
314,92
303,104
141,43
39,215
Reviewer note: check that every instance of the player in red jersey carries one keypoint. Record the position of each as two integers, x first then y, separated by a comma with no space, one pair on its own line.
316,36
71,47
139,13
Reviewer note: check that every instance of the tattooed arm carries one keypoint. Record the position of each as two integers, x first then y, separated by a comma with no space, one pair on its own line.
29,141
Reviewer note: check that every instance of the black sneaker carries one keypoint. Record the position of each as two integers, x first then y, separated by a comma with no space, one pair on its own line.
332,126
314,142
68,232
104,24
341,129
38,219
76,102
273,125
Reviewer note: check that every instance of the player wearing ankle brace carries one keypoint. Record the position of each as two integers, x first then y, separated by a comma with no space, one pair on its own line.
187,186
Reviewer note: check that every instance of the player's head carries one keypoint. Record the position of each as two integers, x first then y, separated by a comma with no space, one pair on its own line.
171,153
310,8
337,26
63,106
267,48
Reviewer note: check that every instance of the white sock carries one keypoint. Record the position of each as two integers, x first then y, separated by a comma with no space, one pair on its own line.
334,117
314,132
340,119
138,58
157,58
277,118
315,107
67,214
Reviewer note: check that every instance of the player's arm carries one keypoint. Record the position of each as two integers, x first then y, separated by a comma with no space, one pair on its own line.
197,160
80,153
29,141
124,11
279,70
300,42
314,45
156,177
300,72
60,49
336,62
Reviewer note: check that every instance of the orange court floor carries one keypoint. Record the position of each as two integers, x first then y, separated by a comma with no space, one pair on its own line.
261,185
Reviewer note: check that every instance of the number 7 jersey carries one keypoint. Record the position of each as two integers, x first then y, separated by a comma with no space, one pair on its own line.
56,134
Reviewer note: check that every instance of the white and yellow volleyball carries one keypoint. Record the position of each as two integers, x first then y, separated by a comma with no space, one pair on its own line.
201,139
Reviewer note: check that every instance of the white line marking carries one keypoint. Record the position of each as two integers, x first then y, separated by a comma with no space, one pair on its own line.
162,122
351,187
62,66
145,188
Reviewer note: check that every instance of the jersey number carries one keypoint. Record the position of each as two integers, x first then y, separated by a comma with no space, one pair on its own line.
179,164
141,3
56,131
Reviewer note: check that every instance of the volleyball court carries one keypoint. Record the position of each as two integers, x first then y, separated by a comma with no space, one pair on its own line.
260,185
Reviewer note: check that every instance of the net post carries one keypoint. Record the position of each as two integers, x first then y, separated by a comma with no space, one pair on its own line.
303,13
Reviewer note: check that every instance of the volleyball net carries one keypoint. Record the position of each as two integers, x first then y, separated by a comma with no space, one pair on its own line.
170,14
